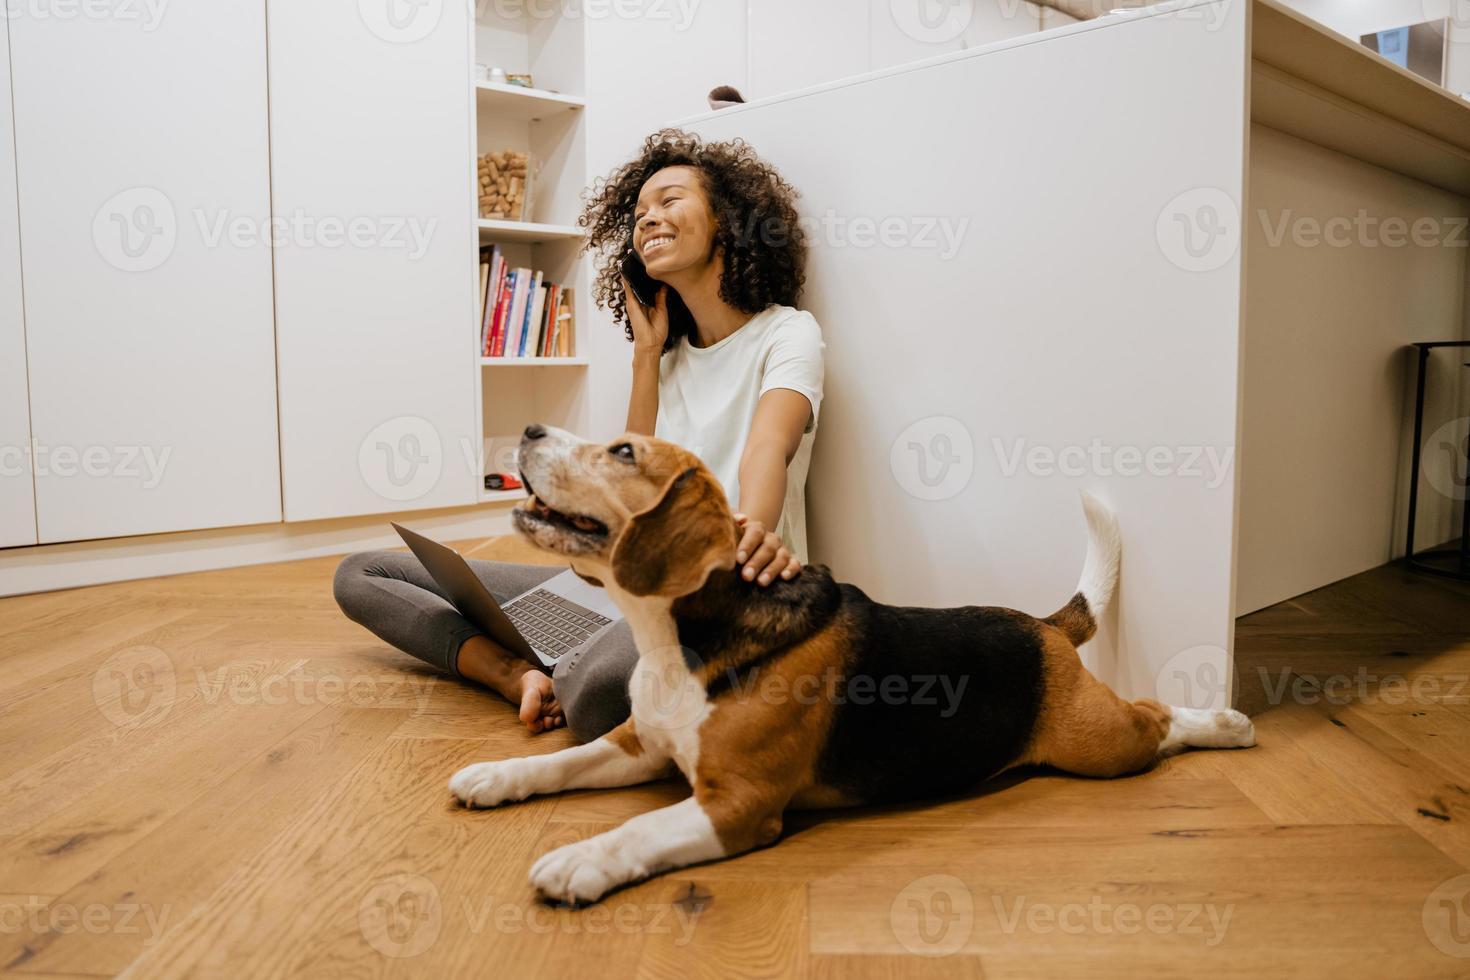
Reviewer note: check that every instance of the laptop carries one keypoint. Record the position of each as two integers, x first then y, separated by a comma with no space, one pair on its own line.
543,624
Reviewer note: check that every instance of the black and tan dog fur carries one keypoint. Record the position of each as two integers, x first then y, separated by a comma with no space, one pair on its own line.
767,679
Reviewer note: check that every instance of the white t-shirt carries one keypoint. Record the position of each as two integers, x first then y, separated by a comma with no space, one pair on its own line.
707,398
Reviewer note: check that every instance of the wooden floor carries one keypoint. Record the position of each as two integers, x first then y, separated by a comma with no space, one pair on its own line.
217,774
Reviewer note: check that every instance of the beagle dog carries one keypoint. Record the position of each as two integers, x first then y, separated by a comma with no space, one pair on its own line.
801,693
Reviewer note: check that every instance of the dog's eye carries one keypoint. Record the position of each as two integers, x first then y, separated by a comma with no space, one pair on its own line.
623,450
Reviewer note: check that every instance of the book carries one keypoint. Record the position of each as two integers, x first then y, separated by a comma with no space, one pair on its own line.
566,325
522,313
538,317
484,290
516,325
490,294
502,313
548,320
533,292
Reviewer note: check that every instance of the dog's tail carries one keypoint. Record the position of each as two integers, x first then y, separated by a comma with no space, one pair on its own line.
1078,618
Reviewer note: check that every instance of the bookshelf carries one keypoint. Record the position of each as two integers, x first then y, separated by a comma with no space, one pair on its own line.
534,362
549,123
528,104
493,230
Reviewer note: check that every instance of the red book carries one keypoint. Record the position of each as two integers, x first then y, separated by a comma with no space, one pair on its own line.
502,310
490,295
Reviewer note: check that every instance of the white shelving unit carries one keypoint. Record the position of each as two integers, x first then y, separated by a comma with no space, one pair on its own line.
534,362
528,104
494,230
549,123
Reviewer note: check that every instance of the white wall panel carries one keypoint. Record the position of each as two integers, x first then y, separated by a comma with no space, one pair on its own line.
371,135
17,500
1012,316
795,45
903,31
141,149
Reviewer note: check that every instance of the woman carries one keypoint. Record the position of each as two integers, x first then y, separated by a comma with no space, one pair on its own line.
723,364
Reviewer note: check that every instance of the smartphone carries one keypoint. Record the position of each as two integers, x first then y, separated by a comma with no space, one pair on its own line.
645,287
645,290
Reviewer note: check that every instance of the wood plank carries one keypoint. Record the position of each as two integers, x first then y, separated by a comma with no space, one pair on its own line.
1284,778
750,930
305,888
94,811
87,697
171,871
1086,896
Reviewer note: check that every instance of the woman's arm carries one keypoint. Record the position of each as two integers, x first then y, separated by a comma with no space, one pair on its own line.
781,416
650,329
643,398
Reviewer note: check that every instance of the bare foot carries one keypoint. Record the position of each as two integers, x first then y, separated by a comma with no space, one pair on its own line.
540,711
520,683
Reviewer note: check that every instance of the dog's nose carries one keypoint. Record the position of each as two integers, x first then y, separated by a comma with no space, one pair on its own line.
534,431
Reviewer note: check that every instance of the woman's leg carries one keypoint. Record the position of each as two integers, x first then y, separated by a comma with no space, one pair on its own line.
393,596
592,684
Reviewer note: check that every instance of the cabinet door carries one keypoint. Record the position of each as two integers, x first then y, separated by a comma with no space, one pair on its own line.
17,500
371,174
142,159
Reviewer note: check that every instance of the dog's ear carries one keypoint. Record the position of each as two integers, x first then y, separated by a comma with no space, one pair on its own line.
670,548
587,578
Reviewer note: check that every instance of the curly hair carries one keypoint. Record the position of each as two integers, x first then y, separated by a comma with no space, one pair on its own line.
755,219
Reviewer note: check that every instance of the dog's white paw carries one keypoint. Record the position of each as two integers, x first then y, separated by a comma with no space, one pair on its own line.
1236,729
487,784
577,873
1207,728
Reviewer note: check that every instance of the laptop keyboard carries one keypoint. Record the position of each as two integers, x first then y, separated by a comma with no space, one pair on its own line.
553,624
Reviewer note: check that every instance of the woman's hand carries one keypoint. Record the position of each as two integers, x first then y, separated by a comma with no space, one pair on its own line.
650,324
763,553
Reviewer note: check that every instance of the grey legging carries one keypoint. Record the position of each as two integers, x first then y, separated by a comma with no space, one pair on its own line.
392,594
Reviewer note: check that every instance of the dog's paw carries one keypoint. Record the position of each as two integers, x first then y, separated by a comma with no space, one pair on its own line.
487,784
576,874
1236,729
1207,728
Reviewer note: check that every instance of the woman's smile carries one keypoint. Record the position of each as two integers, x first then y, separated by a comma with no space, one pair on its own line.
657,243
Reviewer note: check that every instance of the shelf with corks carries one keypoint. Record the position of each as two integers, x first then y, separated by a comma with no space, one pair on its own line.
504,182
525,232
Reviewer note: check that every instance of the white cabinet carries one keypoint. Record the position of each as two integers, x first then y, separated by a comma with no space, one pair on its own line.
376,278
17,502
142,161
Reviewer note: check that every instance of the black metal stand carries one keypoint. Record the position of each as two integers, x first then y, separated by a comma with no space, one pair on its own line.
1449,562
